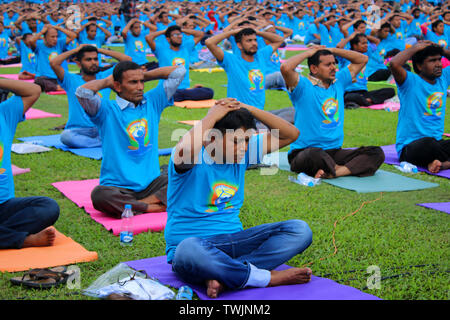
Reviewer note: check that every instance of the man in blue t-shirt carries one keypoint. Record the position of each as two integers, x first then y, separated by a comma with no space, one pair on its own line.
422,94
319,115
247,70
205,241
24,222
27,57
46,49
128,127
79,131
135,44
175,48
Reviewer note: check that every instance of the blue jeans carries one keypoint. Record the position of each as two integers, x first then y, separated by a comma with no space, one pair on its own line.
226,257
275,80
81,138
20,217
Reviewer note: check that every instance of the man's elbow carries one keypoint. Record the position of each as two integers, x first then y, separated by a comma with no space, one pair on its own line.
285,69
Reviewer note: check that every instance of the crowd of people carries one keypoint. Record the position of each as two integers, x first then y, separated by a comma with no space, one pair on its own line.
347,44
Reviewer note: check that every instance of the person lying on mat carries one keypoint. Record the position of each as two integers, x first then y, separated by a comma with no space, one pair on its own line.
205,241
128,127
176,48
423,97
319,104
46,49
24,222
79,131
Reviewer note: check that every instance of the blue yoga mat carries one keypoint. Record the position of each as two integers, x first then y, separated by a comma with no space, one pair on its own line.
93,153
381,181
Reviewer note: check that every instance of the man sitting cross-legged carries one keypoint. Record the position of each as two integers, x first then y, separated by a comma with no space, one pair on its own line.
128,127
422,94
24,222
319,115
205,241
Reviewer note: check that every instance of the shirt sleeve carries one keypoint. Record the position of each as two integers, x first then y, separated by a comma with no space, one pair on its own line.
90,101
344,77
297,92
12,110
173,81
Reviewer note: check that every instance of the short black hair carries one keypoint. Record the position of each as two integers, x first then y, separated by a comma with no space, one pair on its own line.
315,58
385,25
122,67
233,120
356,39
80,54
244,32
171,29
358,23
26,35
435,24
160,15
419,57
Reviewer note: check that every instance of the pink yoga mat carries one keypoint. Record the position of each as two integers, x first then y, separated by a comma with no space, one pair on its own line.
39,114
54,93
80,193
16,170
395,106
14,77
14,65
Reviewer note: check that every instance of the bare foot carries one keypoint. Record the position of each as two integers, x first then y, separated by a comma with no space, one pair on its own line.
290,276
341,171
320,174
44,238
434,166
214,287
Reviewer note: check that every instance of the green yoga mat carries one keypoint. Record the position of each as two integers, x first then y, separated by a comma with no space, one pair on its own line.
381,181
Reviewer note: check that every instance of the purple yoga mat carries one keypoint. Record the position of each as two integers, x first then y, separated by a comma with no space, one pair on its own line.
392,158
317,289
440,206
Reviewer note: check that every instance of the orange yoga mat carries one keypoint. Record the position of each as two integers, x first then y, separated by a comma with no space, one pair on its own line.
189,122
192,104
64,251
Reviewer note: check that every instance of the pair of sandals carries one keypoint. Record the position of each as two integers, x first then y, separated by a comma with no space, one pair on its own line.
43,278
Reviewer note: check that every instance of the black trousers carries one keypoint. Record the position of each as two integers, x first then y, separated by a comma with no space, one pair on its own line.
380,75
424,151
112,200
200,93
377,96
361,162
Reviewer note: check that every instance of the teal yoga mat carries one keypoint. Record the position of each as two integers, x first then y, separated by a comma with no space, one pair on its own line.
381,181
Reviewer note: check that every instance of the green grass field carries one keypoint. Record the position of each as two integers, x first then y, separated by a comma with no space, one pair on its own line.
391,233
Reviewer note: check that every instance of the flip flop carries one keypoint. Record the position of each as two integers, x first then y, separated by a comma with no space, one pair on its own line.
42,278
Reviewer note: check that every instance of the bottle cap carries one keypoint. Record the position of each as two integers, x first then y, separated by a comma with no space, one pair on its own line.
128,206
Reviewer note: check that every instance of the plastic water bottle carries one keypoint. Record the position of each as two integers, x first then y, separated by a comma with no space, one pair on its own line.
407,167
184,293
126,229
305,180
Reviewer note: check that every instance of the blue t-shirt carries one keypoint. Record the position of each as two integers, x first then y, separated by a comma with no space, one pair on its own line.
77,116
309,36
274,63
422,109
44,54
441,40
376,54
206,200
4,43
11,113
130,140
319,112
246,80
136,47
27,58
168,57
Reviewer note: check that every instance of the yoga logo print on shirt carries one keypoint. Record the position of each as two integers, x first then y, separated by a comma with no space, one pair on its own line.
256,78
31,57
139,137
139,46
275,58
2,42
442,43
221,197
178,62
434,106
2,170
52,55
331,113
